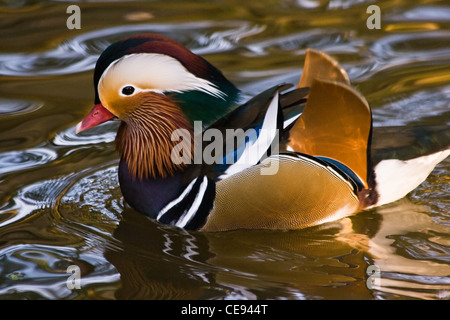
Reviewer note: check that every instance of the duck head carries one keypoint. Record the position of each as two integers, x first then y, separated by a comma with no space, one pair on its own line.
154,86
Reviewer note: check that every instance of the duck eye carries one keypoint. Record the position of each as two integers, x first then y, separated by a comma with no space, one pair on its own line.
128,90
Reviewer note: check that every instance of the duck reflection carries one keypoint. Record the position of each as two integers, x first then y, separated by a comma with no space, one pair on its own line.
329,261
160,262
411,251
156,262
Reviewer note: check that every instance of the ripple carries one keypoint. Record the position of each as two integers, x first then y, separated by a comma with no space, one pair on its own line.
90,196
345,4
427,287
414,46
13,106
54,62
416,246
202,37
422,13
80,53
75,212
44,193
105,133
40,272
95,196
222,41
418,278
409,108
33,197
20,160
328,40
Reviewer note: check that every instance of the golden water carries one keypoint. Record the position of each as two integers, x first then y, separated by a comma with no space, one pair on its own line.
60,203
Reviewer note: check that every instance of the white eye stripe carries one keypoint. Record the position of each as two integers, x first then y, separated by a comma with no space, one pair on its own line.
150,72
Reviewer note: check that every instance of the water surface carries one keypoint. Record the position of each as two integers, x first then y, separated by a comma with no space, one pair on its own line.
60,203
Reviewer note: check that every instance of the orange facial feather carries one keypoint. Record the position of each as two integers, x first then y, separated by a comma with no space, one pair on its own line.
144,139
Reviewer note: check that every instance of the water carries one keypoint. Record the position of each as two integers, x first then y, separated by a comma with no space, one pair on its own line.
60,204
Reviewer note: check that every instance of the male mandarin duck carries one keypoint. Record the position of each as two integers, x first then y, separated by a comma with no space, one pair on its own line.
322,168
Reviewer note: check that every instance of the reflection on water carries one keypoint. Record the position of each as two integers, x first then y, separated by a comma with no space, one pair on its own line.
60,204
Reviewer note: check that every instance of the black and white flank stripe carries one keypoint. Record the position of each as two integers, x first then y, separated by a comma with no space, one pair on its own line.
191,208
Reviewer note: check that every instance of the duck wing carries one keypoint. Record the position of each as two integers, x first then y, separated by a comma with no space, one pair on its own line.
249,133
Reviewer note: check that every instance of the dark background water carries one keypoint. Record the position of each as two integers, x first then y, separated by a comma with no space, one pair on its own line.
60,204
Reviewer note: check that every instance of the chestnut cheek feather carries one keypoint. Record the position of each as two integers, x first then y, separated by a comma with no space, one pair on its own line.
144,141
96,116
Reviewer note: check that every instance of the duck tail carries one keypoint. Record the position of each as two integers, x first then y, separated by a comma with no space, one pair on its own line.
396,178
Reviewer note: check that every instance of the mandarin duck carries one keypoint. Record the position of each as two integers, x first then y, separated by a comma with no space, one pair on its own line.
306,157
